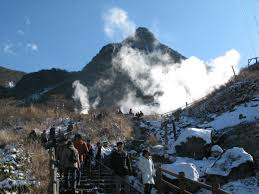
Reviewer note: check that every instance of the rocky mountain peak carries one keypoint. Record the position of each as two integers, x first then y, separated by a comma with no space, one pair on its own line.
143,34
143,39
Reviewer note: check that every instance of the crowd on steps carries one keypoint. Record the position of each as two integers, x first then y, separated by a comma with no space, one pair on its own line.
77,154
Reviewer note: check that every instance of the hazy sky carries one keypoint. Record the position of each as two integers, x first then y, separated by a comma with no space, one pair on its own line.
67,33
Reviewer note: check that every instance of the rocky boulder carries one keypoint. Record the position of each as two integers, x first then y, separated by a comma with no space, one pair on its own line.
235,163
246,136
194,143
157,150
216,151
189,169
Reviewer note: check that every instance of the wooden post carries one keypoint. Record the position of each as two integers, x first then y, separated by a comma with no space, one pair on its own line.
159,177
174,129
215,188
234,72
166,134
53,171
57,186
182,182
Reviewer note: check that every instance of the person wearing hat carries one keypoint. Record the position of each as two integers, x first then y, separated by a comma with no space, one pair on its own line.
70,164
147,169
121,165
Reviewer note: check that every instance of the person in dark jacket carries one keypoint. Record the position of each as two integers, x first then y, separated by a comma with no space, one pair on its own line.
98,151
98,154
52,136
90,154
44,138
90,147
70,163
121,165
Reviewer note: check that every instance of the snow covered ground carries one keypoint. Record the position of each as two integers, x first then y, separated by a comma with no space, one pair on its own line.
242,186
245,112
12,172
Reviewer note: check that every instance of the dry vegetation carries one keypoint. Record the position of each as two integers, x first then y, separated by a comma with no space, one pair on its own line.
105,125
39,167
17,121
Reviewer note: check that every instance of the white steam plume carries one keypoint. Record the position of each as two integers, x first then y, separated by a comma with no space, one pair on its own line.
177,83
81,95
117,25
96,102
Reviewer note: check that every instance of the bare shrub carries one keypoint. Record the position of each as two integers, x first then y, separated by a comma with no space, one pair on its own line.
39,167
8,137
104,124
152,140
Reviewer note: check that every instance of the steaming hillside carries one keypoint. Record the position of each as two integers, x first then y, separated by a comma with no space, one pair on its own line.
139,73
105,81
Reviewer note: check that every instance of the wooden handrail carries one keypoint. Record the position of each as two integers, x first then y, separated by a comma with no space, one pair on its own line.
122,180
181,178
256,59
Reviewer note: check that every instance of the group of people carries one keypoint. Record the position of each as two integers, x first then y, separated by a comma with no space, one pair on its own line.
76,155
73,156
139,114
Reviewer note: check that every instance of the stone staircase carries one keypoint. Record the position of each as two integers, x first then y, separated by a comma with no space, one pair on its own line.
99,180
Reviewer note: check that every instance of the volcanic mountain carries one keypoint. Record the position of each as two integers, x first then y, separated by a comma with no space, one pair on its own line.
103,81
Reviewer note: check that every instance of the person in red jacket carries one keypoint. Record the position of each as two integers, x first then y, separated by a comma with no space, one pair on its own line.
82,149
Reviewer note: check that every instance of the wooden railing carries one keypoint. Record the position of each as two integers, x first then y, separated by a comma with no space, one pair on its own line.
255,59
100,164
54,181
184,181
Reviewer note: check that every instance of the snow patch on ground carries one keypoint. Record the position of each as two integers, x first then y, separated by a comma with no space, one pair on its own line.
12,173
246,112
242,186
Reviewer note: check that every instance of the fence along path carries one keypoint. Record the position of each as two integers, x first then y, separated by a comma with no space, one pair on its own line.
183,183
102,179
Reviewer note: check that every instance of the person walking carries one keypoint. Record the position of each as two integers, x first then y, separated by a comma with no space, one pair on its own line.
146,166
98,154
44,138
90,154
59,151
82,149
70,163
90,147
121,165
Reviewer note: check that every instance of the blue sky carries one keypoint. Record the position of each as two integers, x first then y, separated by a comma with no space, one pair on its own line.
66,34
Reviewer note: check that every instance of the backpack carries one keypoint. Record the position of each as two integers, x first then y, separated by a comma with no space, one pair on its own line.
73,156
